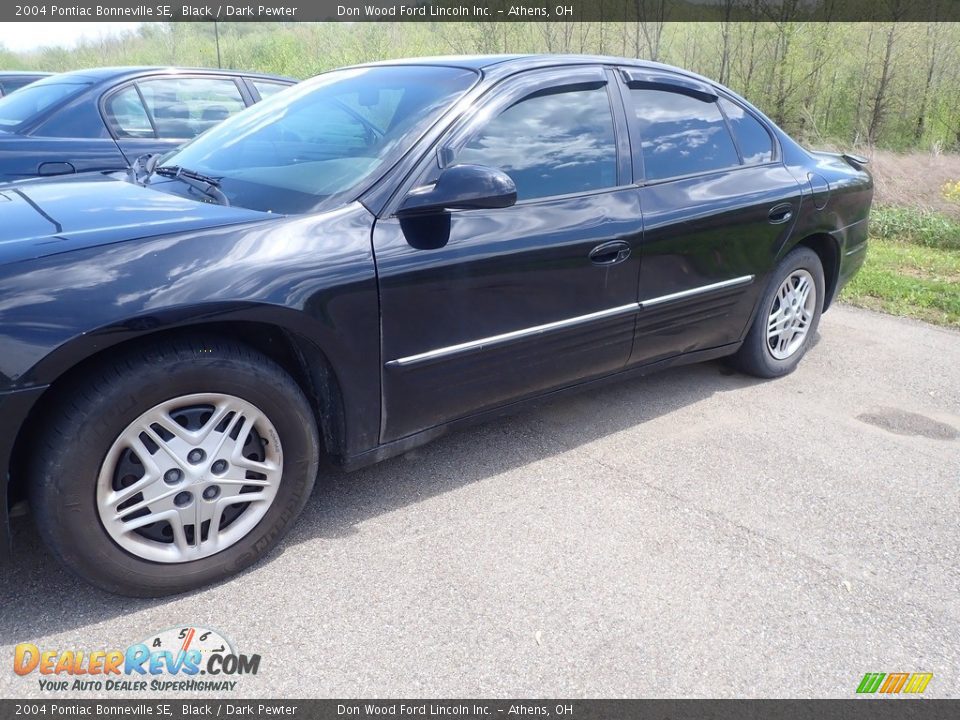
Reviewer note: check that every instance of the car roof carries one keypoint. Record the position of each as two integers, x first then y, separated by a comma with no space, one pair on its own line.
101,74
471,62
505,64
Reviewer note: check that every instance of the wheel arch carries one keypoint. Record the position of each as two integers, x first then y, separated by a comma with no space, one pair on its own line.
307,364
827,248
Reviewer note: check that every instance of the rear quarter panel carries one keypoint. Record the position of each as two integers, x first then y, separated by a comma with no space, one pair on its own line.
837,198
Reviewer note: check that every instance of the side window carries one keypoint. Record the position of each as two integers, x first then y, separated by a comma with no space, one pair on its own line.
266,89
183,108
551,143
681,134
126,115
755,142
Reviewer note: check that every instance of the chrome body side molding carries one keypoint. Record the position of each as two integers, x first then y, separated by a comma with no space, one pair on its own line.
566,323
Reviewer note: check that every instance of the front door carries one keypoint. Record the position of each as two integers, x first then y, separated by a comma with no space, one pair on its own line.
482,307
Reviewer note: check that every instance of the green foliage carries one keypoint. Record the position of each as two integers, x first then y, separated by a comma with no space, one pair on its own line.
911,280
912,266
912,225
819,81
951,191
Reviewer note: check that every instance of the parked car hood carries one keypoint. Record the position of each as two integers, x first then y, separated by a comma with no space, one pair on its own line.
49,216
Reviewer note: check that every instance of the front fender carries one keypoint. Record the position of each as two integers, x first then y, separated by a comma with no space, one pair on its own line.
311,276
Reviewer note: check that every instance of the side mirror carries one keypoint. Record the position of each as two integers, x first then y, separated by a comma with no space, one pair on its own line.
462,187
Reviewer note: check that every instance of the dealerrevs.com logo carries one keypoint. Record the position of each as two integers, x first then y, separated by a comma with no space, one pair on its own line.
185,659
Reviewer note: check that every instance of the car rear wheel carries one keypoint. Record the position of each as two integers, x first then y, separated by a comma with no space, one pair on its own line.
174,467
787,319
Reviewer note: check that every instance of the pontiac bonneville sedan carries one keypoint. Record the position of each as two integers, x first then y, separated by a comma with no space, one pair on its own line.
360,263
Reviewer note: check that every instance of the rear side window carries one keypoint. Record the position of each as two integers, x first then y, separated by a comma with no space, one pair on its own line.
127,116
755,142
22,106
553,143
266,89
8,85
183,108
681,134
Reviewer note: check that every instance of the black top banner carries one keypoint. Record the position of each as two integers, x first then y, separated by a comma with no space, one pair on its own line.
488,11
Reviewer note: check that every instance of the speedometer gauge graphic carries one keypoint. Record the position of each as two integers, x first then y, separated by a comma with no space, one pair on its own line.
190,637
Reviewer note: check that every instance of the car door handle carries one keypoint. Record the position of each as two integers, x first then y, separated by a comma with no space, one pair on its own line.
55,168
780,213
610,253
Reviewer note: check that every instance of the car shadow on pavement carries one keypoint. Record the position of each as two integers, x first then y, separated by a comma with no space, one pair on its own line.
39,597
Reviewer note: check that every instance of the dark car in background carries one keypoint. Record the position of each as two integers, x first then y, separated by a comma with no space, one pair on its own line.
104,118
372,257
11,80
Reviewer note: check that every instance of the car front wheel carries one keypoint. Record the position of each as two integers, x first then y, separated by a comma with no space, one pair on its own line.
787,319
174,467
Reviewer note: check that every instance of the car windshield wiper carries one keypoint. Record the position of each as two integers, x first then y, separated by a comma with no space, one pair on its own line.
209,186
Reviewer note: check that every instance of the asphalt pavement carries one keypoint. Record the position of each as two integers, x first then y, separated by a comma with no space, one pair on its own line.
695,533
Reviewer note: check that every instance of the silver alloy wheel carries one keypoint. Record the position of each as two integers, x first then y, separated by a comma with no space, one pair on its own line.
791,314
189,477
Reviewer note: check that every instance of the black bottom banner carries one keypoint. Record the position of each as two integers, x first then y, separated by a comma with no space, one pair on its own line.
857,709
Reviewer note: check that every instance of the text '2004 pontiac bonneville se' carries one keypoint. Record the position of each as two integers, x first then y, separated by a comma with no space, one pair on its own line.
370,257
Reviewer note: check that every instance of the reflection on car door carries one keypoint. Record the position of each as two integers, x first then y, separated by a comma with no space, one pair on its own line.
480,307
717,206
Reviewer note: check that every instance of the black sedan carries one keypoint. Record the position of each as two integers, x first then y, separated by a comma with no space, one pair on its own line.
11,80
371,258
103,119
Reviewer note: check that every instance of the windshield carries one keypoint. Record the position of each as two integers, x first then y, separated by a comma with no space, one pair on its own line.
26,103
323,138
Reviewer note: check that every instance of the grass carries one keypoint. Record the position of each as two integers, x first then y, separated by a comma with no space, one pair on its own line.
913,260
914,274
920,227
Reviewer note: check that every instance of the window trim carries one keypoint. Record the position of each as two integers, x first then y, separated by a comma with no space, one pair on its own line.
674,82
774,143
505,93
730,132
146,110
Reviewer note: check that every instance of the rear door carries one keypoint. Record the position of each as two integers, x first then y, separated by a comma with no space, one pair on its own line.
158,114
482,307
717,206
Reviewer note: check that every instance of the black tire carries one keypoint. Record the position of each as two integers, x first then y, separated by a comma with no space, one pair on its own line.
755,357
92,412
